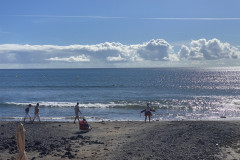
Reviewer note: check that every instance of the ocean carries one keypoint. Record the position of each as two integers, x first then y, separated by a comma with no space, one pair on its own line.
120,94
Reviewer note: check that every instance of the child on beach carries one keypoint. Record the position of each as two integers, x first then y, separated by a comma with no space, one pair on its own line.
77,110
27,112
36,113
148,113
83,125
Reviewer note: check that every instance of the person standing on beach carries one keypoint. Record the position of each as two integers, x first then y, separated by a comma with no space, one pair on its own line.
27,112
77,110
36,113
148,112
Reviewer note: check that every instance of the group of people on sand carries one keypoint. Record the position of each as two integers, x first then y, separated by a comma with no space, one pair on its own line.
147,113
36,113
83,125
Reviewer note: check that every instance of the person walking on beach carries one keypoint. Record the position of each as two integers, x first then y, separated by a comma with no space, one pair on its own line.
27,112
148,112
77,110
36,113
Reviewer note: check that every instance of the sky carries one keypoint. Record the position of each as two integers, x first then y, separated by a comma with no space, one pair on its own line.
119,34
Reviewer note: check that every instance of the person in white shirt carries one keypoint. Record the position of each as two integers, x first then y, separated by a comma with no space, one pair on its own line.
77,110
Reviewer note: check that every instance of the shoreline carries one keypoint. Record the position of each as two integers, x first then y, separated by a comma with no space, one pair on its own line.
125,140
20,119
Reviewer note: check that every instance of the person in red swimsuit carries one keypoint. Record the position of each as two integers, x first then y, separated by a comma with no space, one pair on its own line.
148,112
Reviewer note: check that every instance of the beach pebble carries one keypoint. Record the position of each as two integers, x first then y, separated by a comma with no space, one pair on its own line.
201,142
81,143
80,136
52,146
37,142
6,146
73,138
70,156
68,149
68,153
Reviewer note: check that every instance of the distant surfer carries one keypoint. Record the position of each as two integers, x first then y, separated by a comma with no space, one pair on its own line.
27,115
77,110
148,112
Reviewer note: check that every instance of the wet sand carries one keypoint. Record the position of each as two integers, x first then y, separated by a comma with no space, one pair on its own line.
169,140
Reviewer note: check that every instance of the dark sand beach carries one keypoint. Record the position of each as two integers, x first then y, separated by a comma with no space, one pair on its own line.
169,140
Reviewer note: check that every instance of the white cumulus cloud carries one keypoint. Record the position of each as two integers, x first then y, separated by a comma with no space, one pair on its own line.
118,58
212,49
155,50
155,53
80,58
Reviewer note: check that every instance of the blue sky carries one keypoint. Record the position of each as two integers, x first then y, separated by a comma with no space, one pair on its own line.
126,33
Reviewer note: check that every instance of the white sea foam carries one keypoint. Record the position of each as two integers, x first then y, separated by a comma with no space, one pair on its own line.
60,119
71,104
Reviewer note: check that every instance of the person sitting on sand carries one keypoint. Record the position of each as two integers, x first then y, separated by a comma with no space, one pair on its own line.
36,113
27,112
148,113
77,110
83,125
